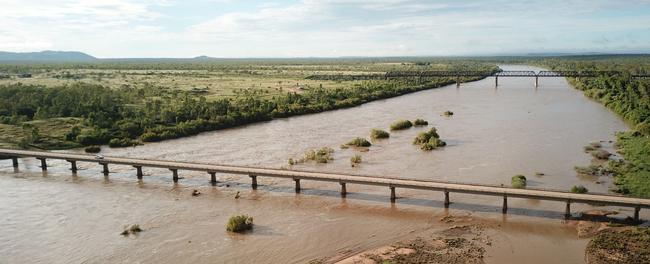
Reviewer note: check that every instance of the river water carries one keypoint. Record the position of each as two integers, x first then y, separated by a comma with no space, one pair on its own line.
495,133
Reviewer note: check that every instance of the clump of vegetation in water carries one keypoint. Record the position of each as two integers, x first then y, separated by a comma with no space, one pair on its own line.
239,223
359,142
420,122
592,146
93,149
401,124
626,246
601,154
429,140
579,189
518,181
378,133
448,113
134,229
593,170
322,155
354,160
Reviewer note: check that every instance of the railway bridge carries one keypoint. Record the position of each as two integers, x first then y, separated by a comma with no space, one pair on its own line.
342,179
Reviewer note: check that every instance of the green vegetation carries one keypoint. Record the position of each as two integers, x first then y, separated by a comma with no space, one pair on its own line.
93,149
579,189
429,140
600,154
593,170
128,103
239,223
378,134
401,125
359,142
354,160
448,113
518,181
619,247
322,155
420,122
632,176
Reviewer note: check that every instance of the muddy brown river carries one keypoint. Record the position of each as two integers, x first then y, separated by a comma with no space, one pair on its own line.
495,133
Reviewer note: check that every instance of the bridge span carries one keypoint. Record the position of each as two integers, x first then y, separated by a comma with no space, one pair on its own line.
421,75
343,179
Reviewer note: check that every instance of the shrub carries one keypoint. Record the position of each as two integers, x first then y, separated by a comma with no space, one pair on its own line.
122,142
93,149
239,223
378,133
643,128
359,142
322,155
579,189
593,170
601,154
448,113
518,181
356,159
401,124
134,229
429,140
420,122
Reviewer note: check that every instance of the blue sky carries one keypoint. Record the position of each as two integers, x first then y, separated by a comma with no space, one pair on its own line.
323,28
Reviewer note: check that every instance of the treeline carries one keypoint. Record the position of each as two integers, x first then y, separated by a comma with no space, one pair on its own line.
128,115
628,97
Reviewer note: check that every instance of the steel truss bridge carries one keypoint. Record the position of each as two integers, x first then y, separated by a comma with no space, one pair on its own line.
420,75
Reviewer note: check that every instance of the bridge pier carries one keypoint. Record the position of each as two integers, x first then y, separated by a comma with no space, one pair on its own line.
105,168
253,181
297,185
174,175
138,172
343,189
213,177
446,199
73,165
496,80
536,81
43,164
636,213
457,81
504,210
393,197
14,162
567,211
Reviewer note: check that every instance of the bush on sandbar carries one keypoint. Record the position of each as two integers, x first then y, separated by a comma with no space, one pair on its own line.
354,160
420,122
518,181
429,140
401,124
579,189
601,154
378,133
359,142
93,149
239,223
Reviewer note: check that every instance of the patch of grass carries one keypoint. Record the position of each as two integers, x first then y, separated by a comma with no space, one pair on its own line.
239,223
633,175
579,189
354,160
359,142
401,125
420,122
593,170
93,149
600,154
518,181
626,246
322,155
429,140
378,133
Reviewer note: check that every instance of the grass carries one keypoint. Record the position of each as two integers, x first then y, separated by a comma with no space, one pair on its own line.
579,189
401,125
378,134
322,155
626,246
593,170
354,160
359,142
429,140
52,133
420,122
518,181
239,223
600,154
633,175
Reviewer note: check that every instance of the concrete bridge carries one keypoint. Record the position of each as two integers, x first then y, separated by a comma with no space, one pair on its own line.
420,75
343,179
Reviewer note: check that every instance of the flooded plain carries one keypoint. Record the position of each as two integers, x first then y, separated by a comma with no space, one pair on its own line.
495,133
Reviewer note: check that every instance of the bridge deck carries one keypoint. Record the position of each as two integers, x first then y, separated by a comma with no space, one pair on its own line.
552,195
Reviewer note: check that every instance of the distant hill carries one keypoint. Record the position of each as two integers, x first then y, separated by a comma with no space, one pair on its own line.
48,55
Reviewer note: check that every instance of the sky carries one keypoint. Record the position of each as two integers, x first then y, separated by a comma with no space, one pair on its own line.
324,28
